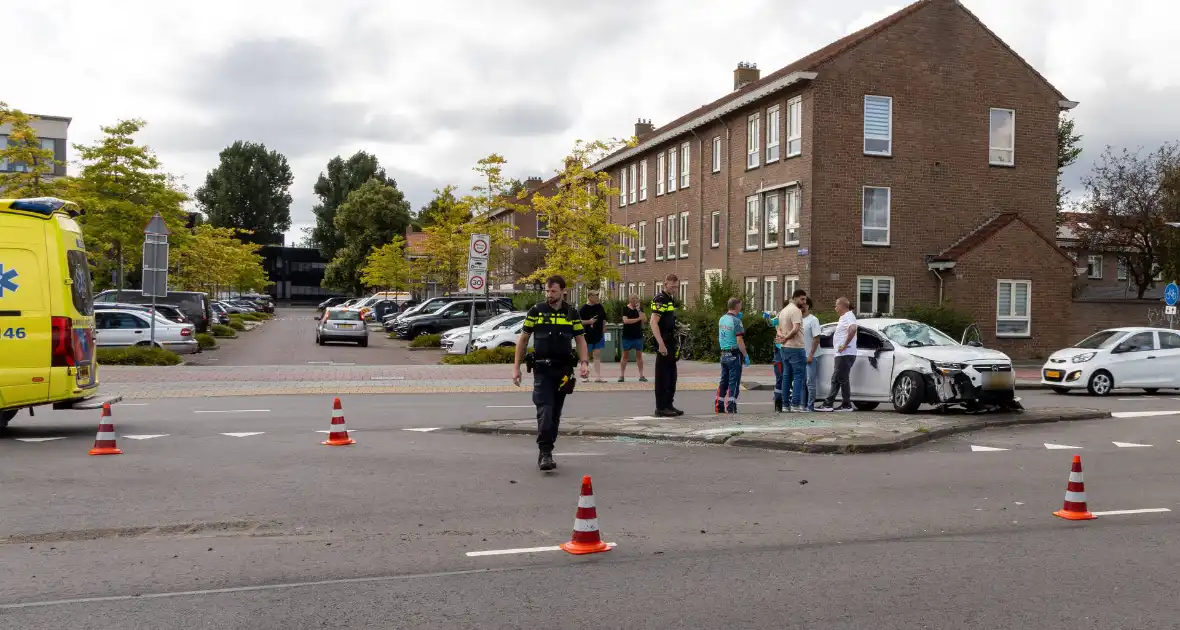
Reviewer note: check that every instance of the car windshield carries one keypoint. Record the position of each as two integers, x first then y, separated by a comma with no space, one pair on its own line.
916,335
1100,340
344,315
433,307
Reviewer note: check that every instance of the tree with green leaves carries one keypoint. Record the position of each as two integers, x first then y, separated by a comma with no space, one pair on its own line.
1068,151
119,188
249,191
387,267
333,187
370,217
430,213
31,165
217,258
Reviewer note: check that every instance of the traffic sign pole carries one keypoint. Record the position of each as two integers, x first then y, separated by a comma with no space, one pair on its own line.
1171,298
477,275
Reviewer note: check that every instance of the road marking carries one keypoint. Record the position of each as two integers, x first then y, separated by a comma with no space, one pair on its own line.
1143,414
39,439
510,406
319,363
1129,444
387,378
1059,447
424,429
235,411
504,552
144,437
123,404
244,434
985,449
1121,512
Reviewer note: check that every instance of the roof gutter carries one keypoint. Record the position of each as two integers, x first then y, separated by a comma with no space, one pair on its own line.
1064,104
706,117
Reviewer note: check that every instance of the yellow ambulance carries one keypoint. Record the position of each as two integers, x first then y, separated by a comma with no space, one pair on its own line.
47,339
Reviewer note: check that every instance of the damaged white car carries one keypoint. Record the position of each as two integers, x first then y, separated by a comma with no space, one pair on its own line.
910,364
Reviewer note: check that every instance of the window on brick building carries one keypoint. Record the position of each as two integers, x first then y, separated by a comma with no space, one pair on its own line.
770,219
684,235
623,187
672,170
715,229
772,134
1002,137
671,237
753,141
1012,308
878,125
643,180
684,291
716,154
642,229
659,174
685,159
660,238
874,294
769,292
791,211
623,249
751,289
634,182
790,285
875,215
1121,269
632,244
1094,267
752,222
795,126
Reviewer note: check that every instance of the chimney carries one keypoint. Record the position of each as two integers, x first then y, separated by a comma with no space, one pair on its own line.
643,128
532,184
744,74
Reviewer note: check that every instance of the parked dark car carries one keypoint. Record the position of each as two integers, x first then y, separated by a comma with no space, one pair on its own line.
196,306
221,313
264,302
431,305
332,302
451,315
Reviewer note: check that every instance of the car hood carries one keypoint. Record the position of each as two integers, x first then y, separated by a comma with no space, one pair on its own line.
958,354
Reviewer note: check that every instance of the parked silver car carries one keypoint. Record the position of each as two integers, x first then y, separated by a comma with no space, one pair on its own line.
340,324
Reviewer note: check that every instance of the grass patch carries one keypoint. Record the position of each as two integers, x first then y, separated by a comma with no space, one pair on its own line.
426,341
221,330
482,357
137,355
236,324
250,317
206,341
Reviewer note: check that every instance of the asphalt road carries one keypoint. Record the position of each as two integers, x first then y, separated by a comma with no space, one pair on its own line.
195,528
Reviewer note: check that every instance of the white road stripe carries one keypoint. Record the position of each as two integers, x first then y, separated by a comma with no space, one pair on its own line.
985,449
504,552
144,437
1143,414
510,406
235,411
424,429
1129,445
244,434
48,439
123,404
1060,447
1121,512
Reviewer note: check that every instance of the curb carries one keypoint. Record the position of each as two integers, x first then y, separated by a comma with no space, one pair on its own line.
847,447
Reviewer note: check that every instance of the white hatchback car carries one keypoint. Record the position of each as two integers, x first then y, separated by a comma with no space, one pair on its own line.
455,341
1146,358
500,338
910,364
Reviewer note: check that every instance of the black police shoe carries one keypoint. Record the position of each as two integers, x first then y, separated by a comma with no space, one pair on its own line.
676,411
545,461
665,413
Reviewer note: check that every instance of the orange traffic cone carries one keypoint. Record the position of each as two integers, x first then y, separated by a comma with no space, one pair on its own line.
104,442
586,538
338,436
1075,495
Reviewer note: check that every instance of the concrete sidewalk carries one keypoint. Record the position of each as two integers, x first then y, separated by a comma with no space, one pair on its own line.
842,433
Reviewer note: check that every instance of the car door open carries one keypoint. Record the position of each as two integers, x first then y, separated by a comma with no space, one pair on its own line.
872,374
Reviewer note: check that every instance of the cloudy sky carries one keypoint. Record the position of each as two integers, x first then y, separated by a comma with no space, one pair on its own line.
432,87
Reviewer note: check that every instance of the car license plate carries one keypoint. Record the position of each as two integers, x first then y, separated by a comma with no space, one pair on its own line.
1054,374
345,325
997,380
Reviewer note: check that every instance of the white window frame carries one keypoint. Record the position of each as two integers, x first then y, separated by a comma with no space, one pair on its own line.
684,235
1094,264
767,230
992,149
750,286
790,285
1011,315
643,180
716,154
769,292
753,141
685,161
877,280
642,229
671,240
715,228
1121,269
672,169
623,187
753,222
684,292
795,126
632,179
792,208
659,238
660,174
632,244
623,248
640,289
888,217
541,233
772,134
886,137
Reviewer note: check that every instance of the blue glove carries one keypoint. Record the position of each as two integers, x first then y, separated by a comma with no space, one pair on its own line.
747,359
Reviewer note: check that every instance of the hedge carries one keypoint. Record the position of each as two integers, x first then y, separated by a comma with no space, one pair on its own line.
236,324
426,341
221,330
205,340
137,355
482,356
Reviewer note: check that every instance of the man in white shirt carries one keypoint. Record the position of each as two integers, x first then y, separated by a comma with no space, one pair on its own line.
844,343
811,332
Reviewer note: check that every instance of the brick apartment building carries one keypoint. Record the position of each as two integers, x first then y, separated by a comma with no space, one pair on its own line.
910,161
1102,274
529,255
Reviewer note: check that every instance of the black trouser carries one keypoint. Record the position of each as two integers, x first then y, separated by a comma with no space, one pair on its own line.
665,379
841,380
549,400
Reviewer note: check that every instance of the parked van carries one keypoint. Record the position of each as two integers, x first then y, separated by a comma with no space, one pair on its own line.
47,339
197,306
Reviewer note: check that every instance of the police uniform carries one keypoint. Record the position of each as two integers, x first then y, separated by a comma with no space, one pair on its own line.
553,331
663,306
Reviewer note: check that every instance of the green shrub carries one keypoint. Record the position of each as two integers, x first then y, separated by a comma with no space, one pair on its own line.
221,330
940,316
482,356
236,324
426,341
250,317
525,300
205,341
137,355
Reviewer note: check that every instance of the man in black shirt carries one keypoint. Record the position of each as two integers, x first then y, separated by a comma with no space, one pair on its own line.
632,337
663,325
556,327
593,317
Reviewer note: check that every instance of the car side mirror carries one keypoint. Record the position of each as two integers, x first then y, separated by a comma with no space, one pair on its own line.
974,344
1120,349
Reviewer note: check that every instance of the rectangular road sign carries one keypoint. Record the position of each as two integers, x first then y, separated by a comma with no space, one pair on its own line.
1169,310
155,283
476,281
479,247
478,265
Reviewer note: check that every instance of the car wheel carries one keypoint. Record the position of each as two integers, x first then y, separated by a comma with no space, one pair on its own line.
364,343
1101,383
1060,390
866,406
1151,390
6,417
909,390
507,344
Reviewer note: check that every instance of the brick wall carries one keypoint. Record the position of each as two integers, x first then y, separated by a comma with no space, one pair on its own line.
1090,316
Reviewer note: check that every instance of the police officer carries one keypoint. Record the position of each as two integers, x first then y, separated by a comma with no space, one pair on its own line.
663,325
556,326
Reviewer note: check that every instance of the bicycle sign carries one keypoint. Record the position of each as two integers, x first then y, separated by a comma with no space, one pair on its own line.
1171,294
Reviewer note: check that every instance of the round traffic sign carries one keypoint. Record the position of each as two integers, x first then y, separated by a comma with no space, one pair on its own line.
480,246
1171,294
476,282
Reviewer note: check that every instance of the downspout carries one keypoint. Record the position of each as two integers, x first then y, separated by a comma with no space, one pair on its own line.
939,276
700,214
726,171
936,267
